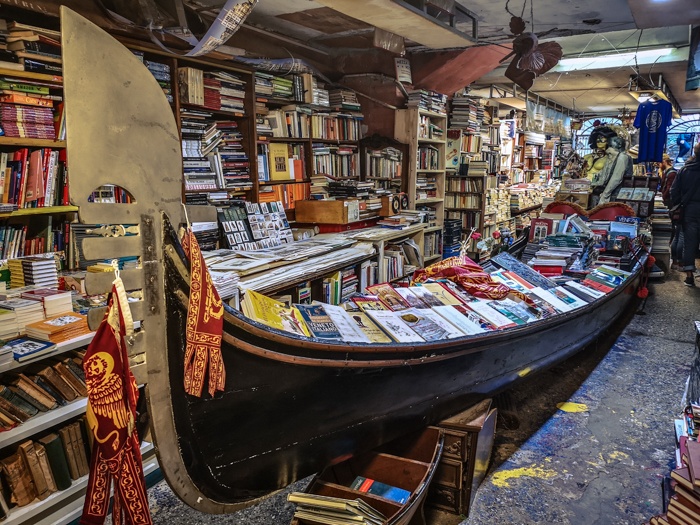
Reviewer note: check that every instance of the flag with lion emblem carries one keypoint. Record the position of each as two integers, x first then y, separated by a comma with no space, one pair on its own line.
111,415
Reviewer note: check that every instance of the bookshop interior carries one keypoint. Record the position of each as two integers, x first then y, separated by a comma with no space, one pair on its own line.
382,262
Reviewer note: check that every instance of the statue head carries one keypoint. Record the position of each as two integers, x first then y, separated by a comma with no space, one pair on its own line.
617,143
600,137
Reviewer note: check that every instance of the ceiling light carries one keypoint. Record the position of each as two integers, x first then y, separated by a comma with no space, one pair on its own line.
614,60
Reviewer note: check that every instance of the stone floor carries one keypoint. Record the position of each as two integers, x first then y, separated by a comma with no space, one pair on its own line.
598,460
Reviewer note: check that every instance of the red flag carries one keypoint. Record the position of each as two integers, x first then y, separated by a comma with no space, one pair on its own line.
205,324
111,415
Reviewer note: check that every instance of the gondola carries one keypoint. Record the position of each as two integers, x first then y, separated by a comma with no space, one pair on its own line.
292,405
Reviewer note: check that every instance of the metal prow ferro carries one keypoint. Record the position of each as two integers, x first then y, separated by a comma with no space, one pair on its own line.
121,130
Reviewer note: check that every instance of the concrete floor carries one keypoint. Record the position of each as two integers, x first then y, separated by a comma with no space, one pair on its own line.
602,465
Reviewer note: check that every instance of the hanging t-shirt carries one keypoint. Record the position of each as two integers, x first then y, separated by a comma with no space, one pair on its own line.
653,119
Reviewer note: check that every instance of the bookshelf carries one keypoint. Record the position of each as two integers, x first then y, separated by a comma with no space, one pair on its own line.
425,132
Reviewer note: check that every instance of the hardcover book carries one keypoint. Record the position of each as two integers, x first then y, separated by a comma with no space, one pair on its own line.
348,328
317,321
387,295
57,460
28,453
508,262
19,480
371,486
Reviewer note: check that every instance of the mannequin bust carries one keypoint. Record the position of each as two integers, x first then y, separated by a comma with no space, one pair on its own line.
608,181
595,160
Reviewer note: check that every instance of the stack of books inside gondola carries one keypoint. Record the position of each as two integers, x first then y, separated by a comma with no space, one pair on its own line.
570,270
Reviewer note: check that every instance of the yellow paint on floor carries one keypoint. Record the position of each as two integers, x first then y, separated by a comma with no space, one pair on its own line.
572,407
502,478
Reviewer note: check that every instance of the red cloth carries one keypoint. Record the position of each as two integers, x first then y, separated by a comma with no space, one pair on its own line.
469,275
111,415
205,324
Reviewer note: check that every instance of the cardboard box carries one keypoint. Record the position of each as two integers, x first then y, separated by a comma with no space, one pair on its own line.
327,212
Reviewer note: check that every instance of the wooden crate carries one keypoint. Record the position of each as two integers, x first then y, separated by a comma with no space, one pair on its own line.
327,212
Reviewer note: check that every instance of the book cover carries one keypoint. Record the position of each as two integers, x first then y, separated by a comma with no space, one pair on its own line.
508,262
318,321
279,161
24,349
464,323
596,285
272,313
422,324
501,308
493,316
566,296
393,326
69,451
546,308
19,479
57,460
387,295
28,453
451,329
596,294
45,466
552,299
426,296
412,299
540,228
369,328
371,486
442,293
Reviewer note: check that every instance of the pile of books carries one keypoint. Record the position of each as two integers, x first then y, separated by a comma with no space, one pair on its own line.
54,301
26,310
9,329
59,328
30,48
315,508
37,271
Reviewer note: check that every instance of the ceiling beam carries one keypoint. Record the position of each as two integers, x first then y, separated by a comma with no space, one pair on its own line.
411,24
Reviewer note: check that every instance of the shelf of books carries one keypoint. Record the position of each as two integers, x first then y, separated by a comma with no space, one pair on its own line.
42,422
69,502
60,348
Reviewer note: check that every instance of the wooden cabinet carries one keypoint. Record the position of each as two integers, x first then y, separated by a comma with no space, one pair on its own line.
465,458
384,238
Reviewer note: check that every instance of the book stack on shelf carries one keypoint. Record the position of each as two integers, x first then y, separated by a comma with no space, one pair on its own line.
36,271
33,178
59,328
54,301
343,99
26,310
428,101
35,49
231,163
464,114
161,72
9,328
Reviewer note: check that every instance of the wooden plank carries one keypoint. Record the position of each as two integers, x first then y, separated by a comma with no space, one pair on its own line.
111,247
95,315
97,283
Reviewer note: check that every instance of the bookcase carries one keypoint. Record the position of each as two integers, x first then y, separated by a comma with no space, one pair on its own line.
424,133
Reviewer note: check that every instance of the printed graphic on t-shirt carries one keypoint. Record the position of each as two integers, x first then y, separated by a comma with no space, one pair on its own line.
654,120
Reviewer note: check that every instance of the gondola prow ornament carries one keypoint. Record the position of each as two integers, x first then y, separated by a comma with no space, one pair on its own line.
111,416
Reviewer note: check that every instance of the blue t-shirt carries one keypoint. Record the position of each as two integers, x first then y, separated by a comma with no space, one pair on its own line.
653,118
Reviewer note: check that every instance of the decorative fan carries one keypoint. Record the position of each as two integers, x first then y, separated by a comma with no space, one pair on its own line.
531,58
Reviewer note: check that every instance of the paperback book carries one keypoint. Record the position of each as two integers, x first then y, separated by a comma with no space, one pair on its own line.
318,321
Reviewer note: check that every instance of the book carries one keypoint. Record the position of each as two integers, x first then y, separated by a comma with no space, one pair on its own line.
28,453
393,326
273,313
496,318
426,296
567,297
52,377
19,479
278,161
387,295
26,349
451,329
442,293
24,383
16,407
354,506
383,490
369,302
70,378
411,298
552,299
45,466
68,449
317,321
349,329
57,460
79,449
464,323
423,325
368,327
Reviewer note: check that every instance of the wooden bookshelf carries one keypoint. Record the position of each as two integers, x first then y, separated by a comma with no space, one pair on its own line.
43,210
25,142
51,79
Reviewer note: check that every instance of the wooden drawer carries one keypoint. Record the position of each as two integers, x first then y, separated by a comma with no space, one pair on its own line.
457,445
448,499
449,473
